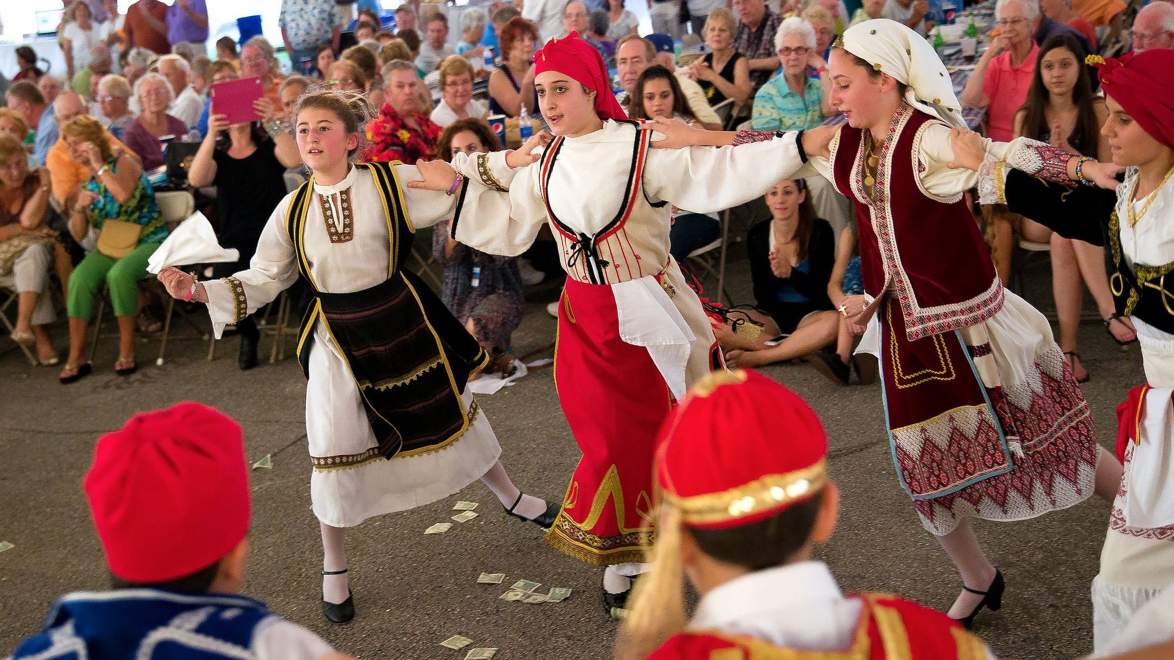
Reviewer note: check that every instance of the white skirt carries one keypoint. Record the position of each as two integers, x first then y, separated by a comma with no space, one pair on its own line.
336,425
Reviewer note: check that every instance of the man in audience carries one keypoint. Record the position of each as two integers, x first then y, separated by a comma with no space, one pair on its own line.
304,25
757,26
402,131
435,47
1048,28
634,55
548,16
138,61
187,25
169,497
575,18
100,64
50,87
24,97
1003,74
405,17
1154,27
187,105
1061,12
114,102
498,19
146,26
201,74
66,173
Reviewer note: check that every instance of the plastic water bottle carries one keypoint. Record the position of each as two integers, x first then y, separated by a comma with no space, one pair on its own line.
525,128
476,277
490,60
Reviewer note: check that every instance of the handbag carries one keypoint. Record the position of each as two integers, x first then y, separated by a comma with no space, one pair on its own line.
118,238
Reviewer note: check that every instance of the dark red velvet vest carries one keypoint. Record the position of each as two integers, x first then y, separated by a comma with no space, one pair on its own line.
926,250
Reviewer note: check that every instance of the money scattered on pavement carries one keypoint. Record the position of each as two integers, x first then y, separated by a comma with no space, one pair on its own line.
5,545
456,642
465,506
619,613
526,585
491,578
266,463
464,516
534,599
513,595
438,528
480,654
558,594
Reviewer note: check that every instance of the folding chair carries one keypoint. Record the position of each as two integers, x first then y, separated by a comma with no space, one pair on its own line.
10,296
711,264
724,110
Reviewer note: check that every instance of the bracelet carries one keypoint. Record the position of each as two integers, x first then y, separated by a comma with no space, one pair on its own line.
747,136
100,171
191,292
275,127
1080,171
456,185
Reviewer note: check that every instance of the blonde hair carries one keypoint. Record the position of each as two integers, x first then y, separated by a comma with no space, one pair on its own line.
10,148
721,14
351,69
351,108
88,129
819,13
114,85
16,118
454,65
396,49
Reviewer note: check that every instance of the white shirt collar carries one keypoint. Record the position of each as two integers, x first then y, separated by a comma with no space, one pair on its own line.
347,182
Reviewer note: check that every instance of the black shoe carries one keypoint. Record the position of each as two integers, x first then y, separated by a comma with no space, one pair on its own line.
247,359
866,368
616,605
545,520
992,599
339,612
830,365
83,370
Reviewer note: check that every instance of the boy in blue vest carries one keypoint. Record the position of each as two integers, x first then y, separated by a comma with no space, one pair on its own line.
169,494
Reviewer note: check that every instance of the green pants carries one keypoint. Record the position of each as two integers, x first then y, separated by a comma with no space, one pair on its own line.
122,278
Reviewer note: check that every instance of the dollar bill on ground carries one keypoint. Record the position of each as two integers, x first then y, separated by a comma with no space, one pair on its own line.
438,528
456,642
526,585
464,506
5,545
480,654
513,595
534,599
464,516
266,463
619,613
558,594
491,578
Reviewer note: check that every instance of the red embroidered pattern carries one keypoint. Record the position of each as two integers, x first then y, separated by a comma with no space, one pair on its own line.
390,138
1117,522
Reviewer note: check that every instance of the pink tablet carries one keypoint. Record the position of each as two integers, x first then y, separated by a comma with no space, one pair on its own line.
234,99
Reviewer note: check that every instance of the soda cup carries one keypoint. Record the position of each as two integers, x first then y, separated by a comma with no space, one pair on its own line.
497,123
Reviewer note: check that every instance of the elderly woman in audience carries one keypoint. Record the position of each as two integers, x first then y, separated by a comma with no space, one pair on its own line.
135,62
114,101
116,215
259,60
291,88
79,36
248,171
511,85
621,22
473,21
456,93
801,97
723,73
824,24
483,291
143,134
791,259
345,75
12,124
26,247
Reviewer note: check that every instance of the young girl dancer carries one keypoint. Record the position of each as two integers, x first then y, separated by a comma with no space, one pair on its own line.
1137,561
984,417
389,424
632,334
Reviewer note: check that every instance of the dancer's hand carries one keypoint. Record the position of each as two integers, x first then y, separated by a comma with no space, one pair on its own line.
435,175
672,133
524,155
1103,175
969,149
179,284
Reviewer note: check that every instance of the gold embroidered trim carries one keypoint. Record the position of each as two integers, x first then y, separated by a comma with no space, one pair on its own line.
903,380
401,380
768,492
347,232
1000,183
239,302
486,174
590,550
1144,275
893,635
346,461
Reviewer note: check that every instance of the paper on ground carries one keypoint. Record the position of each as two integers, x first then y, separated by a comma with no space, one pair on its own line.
492,383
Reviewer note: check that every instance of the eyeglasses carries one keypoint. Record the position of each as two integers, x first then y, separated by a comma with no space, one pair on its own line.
787,52
458,84
1010,22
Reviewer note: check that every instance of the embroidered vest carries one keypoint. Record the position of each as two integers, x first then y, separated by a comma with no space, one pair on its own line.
148,624
925,249
1141,290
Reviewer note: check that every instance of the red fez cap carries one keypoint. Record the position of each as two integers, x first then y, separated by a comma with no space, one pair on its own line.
739,449
169,492
579,60
1143,83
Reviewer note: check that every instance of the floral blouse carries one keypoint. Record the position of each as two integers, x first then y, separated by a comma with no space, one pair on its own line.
390,138
140,209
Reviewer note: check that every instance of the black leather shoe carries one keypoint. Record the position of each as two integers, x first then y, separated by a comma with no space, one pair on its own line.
339,612
247,359
545,520
616,605
830,365
992,599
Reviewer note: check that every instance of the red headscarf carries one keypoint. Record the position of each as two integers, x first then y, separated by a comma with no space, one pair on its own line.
1143,83
579,60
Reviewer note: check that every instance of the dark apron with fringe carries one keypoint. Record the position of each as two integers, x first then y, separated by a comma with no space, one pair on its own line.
409,356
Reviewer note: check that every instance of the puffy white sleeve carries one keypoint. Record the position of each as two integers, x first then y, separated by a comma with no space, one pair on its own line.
499,209
273,269
935,153
278,639
708,179
425,207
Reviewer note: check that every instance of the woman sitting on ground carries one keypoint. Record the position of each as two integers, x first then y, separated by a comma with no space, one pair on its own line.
791,260
846,291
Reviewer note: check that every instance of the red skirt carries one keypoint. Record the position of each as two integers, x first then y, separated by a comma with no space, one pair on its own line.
615,401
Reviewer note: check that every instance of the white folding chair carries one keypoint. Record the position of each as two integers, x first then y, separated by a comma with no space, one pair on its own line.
8,296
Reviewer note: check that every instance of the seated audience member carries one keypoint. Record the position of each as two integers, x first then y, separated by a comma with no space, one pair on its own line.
169,496
201,75
259,60
400,116
114,101
26,60
473,22
221,71
323,59
405,18
435,47
50,87
135,62
1061,12
1153,27
144,133
746,499
366,15
412,39
1002,76
187,104
27,247
846,291
824,24
723,73
800,98
101,64
499,17
910,13
456,93
597,24
118,203
382,37
395,49
365,31
869,10
576,18
657,94
754,38
347,76
620,22
367,62
791,260
512,85
248,171
291,88
12,124
66,172
483,291
661,48
226,50
25,98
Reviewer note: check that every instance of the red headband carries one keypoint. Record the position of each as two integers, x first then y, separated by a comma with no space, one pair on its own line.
1143,83
578,59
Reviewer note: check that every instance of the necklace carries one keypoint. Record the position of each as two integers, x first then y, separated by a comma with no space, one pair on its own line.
1147,201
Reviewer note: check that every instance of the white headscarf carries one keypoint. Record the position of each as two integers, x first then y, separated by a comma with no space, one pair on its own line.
896,50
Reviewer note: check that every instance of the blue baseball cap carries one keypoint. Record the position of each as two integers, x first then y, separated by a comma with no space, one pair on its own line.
662,42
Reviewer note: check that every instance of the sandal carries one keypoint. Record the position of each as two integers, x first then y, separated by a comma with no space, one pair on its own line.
1073,358
125,366
24,338
72,374
1115,317
51,361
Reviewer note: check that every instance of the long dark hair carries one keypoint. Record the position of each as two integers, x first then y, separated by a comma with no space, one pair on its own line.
1035,123
807,217
657,72
475,126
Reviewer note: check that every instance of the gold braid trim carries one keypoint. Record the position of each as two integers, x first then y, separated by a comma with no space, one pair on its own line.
347,461
486,175
1153,277
765,493
401,380
239,301
1001,182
